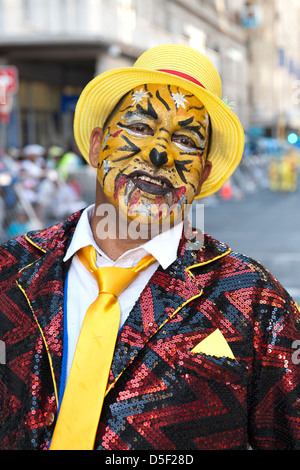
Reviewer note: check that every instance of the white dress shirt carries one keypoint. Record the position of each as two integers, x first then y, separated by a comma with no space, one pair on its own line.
82,288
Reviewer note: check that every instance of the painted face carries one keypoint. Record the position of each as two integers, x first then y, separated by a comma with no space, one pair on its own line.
153,153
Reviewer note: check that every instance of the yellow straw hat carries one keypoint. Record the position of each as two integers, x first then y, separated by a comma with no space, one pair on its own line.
170,64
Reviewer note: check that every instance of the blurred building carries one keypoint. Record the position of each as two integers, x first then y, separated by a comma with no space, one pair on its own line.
272,27
59,45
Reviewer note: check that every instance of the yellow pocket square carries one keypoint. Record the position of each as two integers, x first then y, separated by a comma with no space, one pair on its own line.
214,345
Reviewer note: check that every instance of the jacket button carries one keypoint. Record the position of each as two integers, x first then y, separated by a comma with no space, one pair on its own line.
49,418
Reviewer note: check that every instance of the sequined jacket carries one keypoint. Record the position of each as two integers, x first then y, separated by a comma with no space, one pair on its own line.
160,395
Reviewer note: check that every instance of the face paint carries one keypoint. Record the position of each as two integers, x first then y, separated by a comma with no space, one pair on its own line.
153,152
138,95
179,99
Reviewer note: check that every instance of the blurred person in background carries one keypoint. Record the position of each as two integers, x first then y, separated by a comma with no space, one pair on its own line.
19,225
289,173
274,175
69,162
53,156
162,339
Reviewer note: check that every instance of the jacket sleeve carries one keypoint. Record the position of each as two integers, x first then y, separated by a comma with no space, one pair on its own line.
274,398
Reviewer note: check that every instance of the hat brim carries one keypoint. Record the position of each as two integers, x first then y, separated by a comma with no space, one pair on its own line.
101,94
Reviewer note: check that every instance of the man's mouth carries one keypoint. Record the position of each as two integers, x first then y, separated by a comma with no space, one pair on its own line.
157,185
140,181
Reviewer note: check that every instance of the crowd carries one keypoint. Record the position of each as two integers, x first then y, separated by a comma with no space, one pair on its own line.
283,173
267,164
40,186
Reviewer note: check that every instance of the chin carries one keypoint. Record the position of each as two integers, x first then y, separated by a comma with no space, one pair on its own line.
150,223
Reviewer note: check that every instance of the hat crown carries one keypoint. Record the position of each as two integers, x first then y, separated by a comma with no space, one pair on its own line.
185,60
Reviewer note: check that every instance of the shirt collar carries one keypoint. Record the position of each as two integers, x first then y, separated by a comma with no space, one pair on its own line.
83,234
163,247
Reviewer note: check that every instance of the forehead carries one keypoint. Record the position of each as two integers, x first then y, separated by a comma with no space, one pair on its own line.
164,98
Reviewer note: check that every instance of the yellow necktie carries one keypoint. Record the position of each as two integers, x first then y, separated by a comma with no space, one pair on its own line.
82,402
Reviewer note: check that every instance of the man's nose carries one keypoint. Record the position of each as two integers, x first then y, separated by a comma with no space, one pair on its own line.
157,158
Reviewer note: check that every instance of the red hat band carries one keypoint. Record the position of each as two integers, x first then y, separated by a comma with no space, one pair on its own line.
182,75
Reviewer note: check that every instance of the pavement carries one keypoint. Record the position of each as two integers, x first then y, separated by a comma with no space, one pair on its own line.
265,226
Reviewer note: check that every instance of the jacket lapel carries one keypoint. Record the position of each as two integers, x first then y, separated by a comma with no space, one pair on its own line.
164,297
161,299
44,294
42,283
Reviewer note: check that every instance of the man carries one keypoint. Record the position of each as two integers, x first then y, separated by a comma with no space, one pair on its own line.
199,349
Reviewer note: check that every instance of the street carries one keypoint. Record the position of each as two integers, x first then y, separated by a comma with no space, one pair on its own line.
264,225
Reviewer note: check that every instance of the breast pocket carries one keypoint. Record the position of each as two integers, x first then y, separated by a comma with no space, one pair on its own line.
213,393
211,368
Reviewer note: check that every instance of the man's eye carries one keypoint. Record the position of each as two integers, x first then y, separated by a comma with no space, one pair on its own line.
184,142
139,129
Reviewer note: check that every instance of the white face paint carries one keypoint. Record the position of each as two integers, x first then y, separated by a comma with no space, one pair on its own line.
139,95
179,99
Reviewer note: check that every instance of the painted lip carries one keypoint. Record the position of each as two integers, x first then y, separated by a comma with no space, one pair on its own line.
157,185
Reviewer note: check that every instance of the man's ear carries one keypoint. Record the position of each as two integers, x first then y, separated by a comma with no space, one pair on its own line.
95,146
204,176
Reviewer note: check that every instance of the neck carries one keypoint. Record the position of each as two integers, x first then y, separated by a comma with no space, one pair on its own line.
111,243
115,235
111,231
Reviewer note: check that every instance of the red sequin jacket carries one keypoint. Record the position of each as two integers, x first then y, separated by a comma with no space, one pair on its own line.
160,394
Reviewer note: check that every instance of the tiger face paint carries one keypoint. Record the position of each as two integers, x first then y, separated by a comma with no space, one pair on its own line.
153,153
